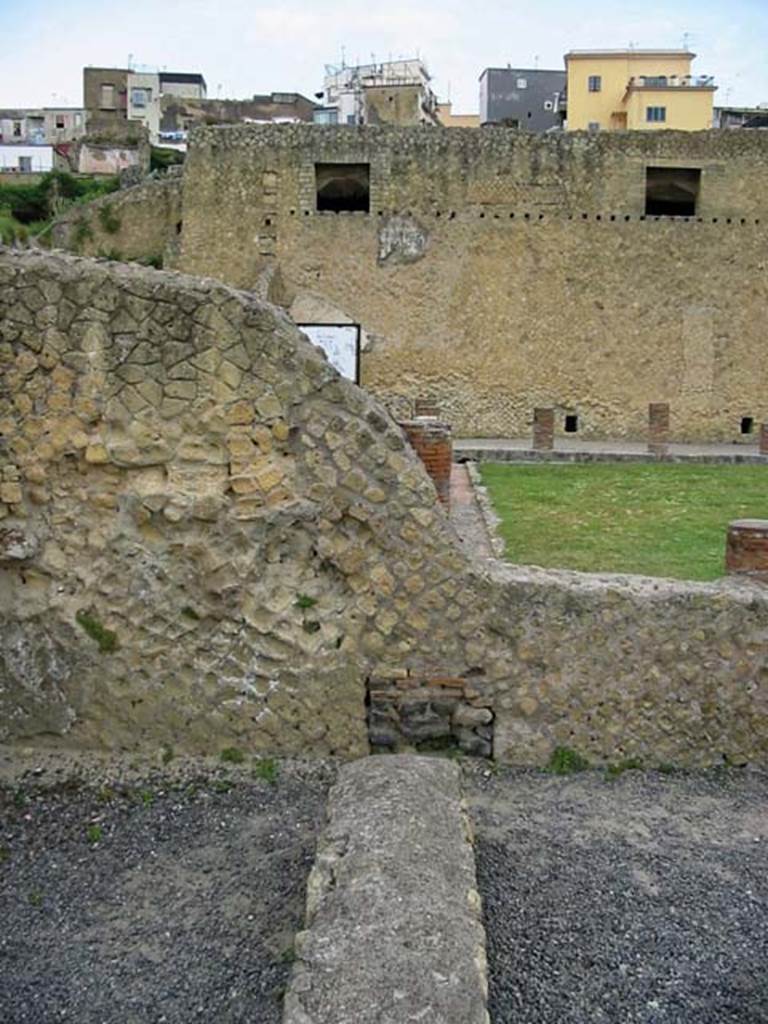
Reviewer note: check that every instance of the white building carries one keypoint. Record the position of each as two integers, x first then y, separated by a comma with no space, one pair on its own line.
24,159
346,87
148,89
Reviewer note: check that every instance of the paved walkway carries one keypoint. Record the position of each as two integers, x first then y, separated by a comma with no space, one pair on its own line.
514,449
466,516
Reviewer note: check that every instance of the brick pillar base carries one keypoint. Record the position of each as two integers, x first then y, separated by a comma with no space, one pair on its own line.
426,407
764,438
746,551
432,443
658,428
543,429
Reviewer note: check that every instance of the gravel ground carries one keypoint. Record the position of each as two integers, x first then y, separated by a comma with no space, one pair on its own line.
136,894
642,899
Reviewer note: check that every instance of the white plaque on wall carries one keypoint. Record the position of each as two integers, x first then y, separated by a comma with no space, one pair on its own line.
341,344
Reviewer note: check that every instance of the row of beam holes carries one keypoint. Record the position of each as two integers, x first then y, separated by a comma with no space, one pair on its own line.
585,216
571,424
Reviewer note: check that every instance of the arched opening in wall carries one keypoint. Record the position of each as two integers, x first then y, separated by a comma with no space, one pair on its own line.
343,187
671,191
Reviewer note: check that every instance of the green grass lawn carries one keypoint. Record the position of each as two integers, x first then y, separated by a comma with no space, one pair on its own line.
658,520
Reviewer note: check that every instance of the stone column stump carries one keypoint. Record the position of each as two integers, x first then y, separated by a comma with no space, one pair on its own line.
431,440
746,551
543,429
658,428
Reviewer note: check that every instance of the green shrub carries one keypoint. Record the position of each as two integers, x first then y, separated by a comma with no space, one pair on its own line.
266,768
161,158
232,755
94,833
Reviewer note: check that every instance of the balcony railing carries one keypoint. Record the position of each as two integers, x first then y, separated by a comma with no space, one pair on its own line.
671,82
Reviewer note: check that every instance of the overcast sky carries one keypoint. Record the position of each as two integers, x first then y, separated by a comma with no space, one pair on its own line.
249,46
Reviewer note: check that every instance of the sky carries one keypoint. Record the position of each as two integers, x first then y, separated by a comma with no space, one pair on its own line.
244,47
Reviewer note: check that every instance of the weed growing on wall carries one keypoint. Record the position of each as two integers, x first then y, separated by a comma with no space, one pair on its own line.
108,219
565,761
232,755
105,638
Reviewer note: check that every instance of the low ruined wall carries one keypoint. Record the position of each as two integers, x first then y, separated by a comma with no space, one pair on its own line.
139,223
207,536
620,667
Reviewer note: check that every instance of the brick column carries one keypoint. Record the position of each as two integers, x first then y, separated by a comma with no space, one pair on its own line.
431,441
425,406
658,428
543,429
746,551
764,438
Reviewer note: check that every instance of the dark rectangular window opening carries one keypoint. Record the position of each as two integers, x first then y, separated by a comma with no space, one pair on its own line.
595,83
747,424
671,191
571,423
343,187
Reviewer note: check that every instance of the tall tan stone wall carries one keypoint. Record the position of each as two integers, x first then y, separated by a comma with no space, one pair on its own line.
499,271
207,536
138,223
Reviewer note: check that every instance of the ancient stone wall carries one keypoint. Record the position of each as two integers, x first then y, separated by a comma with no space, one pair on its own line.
205,533
631,667
499,271
139,223
207,536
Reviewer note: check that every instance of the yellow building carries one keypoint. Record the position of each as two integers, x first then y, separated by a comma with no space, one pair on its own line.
448,119
613,90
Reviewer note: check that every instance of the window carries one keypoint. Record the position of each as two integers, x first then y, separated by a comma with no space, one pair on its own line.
140,97
25,164
595,83
522,83
571,423
671,191
107,97
17,129
593,126
60,122
747,424
343,187
325,117
656,114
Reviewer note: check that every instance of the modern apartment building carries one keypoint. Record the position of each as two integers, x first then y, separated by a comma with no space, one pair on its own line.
531,99
393,92
648,90
118,95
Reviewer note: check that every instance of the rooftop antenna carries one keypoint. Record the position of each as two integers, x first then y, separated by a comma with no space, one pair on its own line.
130,58
632,44
343,57
686,39
536,60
